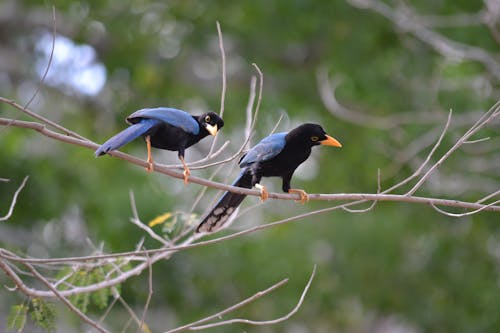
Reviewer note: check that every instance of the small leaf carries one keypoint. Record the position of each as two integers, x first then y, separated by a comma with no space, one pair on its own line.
99,297
159,219
43,314
17,317
145,328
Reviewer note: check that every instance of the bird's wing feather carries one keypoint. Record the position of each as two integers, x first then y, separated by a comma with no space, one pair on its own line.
174,117
266,149
127,135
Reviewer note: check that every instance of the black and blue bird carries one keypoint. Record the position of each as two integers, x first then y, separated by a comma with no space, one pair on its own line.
277,155
165,128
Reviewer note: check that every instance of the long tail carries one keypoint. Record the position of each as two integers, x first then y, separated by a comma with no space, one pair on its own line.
226,205
125,136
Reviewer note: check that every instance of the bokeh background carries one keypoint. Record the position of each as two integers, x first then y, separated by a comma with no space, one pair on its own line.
398,268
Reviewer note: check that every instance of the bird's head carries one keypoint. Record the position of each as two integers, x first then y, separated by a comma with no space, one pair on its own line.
312,135
211,122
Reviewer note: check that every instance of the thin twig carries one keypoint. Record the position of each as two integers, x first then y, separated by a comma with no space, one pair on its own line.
148,299
136,220
14,200
223,60
263,322
133,316
442,211
223,90
191,326
25,109
49,63
486,118
350,210
65,301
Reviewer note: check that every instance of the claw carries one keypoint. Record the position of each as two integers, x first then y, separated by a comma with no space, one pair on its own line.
263,192
150,166
304,197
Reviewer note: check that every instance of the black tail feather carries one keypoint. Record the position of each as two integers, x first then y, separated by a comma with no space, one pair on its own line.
226,205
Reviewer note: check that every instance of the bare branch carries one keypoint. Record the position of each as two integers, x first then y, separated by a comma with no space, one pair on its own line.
464,214
148,299
137,221
372,205
485,119
41,118
223,90
14,200
192,326
223,60
249,108
49,63
65,301
263,322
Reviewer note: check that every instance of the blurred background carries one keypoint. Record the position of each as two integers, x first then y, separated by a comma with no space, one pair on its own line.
396,68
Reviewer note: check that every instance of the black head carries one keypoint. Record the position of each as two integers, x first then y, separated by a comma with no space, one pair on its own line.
211,122
311,135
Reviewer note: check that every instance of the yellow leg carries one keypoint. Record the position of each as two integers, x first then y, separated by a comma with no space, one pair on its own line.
263,192
186,171
150,166
304,197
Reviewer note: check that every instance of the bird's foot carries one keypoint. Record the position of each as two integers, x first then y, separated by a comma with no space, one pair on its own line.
150,167
304,197
186,174
263,192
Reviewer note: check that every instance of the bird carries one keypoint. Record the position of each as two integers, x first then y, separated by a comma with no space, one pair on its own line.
277,155
165,128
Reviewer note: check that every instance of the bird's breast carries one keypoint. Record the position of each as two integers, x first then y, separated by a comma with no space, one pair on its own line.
168,137
283,163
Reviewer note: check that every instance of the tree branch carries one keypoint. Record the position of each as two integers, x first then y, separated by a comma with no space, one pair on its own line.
191,326
14,200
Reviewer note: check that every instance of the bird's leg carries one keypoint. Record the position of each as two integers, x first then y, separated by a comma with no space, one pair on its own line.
304,197
150,166
186,171
263,192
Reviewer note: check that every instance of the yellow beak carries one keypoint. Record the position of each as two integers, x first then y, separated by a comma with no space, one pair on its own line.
329,141
211,129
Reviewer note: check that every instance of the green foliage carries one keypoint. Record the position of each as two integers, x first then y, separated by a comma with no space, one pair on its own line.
101,296
86,276
435,273
43,314
17,317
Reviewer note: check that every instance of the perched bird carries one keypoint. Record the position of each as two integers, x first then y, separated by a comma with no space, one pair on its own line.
165,128
277,155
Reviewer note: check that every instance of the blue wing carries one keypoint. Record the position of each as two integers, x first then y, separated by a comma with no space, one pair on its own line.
127,135
174,117
266,149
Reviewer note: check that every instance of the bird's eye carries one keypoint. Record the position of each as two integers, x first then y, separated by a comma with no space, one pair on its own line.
207,119
314,138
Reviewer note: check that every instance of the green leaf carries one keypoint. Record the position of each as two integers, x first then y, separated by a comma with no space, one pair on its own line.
81,300
17,317
43,314
100,297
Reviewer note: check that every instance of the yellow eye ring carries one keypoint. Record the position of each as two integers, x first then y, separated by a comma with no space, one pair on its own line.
314,138
207,119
